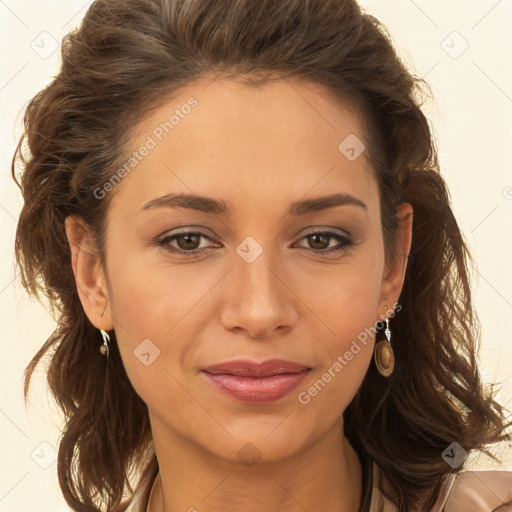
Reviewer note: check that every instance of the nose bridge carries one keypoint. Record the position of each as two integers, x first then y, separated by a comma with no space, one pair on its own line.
259,301
253,270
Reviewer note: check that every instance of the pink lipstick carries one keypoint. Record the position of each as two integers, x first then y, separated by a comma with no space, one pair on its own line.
256,382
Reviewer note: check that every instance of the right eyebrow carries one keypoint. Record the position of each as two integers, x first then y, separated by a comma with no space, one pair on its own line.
221,208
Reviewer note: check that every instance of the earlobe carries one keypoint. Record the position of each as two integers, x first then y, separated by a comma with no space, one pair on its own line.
89,273
394,275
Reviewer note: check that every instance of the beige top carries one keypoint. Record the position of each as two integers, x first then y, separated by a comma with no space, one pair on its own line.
469,491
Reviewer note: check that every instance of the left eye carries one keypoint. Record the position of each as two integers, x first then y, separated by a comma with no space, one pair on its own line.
188,242
319,238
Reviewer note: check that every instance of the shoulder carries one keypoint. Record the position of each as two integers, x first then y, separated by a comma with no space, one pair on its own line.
468,491
140,500
480,491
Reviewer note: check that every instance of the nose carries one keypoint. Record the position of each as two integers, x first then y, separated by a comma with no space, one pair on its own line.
259,301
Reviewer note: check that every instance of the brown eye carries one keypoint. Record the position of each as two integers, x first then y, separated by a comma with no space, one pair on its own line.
319,242
186,243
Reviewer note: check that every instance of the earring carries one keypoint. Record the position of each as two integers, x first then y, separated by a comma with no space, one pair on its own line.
383,355
104,348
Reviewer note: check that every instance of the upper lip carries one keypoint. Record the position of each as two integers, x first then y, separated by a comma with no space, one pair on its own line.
244,368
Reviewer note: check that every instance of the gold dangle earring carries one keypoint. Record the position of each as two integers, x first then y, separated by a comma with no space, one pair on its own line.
383,355
104,348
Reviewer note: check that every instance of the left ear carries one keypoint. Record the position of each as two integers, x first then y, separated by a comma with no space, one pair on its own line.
394,273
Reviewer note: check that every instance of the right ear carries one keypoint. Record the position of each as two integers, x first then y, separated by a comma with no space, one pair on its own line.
89,273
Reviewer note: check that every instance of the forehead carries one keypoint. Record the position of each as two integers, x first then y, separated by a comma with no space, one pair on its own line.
280,139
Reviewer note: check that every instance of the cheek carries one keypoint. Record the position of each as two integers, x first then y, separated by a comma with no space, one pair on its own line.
344,352
332,387
347,307
146,312
158,313
346,297
151,299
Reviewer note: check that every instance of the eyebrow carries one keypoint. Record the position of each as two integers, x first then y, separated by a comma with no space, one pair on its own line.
221,208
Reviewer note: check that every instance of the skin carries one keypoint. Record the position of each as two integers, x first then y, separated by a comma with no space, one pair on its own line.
258,149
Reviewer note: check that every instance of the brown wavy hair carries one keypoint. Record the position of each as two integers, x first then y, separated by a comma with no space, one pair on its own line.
127,58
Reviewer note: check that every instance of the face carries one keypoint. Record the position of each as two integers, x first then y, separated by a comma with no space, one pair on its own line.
261,270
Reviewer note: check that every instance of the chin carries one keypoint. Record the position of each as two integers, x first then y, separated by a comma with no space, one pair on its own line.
251,446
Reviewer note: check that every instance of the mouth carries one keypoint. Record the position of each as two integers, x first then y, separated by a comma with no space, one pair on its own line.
256,382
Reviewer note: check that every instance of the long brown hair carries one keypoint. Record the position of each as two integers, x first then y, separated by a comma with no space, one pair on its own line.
124,59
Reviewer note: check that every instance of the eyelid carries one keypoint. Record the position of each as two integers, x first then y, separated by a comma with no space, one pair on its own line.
183,232
323,230
314,230
345,241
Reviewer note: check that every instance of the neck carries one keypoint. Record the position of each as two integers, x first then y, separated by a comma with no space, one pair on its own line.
326,475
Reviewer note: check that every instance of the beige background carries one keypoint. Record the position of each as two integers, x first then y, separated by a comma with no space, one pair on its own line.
472,118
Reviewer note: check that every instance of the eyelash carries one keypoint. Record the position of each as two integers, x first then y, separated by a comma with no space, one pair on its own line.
346,243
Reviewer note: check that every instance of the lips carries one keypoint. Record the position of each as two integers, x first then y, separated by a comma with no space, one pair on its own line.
243,368
256,382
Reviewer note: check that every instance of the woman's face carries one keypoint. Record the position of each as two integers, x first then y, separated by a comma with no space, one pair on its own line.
256,283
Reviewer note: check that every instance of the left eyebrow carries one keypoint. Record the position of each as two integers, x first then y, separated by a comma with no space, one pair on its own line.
221,208
192,201
323,203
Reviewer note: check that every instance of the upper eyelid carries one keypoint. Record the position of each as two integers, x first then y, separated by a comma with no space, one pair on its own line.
316,230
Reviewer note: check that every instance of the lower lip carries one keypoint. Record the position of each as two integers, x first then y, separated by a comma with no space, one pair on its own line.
256,389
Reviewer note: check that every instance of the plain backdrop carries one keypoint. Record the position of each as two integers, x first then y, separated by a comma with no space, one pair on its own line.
464,50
